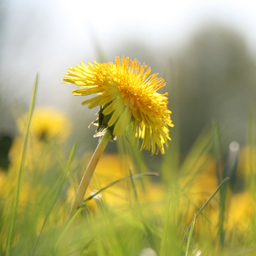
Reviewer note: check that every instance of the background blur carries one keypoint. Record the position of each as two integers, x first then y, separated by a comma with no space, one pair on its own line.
205,50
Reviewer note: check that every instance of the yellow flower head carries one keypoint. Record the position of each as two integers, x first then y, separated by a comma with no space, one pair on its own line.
128,100
47,124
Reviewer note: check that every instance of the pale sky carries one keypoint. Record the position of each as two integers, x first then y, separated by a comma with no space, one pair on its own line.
169,20
47,37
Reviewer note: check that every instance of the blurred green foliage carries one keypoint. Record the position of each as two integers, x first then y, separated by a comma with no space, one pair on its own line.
212,77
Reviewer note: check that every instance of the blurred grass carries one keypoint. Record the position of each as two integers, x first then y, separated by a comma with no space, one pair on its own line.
129,211
23,155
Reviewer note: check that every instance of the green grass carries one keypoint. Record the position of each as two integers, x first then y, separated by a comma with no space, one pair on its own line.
188,215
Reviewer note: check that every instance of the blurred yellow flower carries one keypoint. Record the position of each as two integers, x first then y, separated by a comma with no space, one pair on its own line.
8,194
241,210
239,215
47,124
246,167
128,100
198,186
110,168
3,177
32,156
196,190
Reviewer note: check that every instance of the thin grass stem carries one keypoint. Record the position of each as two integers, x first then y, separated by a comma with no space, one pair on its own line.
190,235
79,209
56,197
23,155
201,209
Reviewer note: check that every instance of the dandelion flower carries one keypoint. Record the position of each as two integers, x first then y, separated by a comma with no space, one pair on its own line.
128,99
47,124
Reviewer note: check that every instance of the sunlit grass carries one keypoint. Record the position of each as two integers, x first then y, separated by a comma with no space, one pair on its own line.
188,208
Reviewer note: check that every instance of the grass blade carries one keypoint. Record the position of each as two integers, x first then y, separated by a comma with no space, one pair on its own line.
136,176
205,204
23,155
56,196
217,148
190,234
76,213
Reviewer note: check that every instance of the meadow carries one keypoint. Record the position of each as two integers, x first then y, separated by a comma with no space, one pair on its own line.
202,203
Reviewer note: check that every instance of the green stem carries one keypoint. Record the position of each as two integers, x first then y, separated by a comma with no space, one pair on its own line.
79,198
23,155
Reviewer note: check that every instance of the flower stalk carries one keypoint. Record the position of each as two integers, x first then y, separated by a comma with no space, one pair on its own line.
85,181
